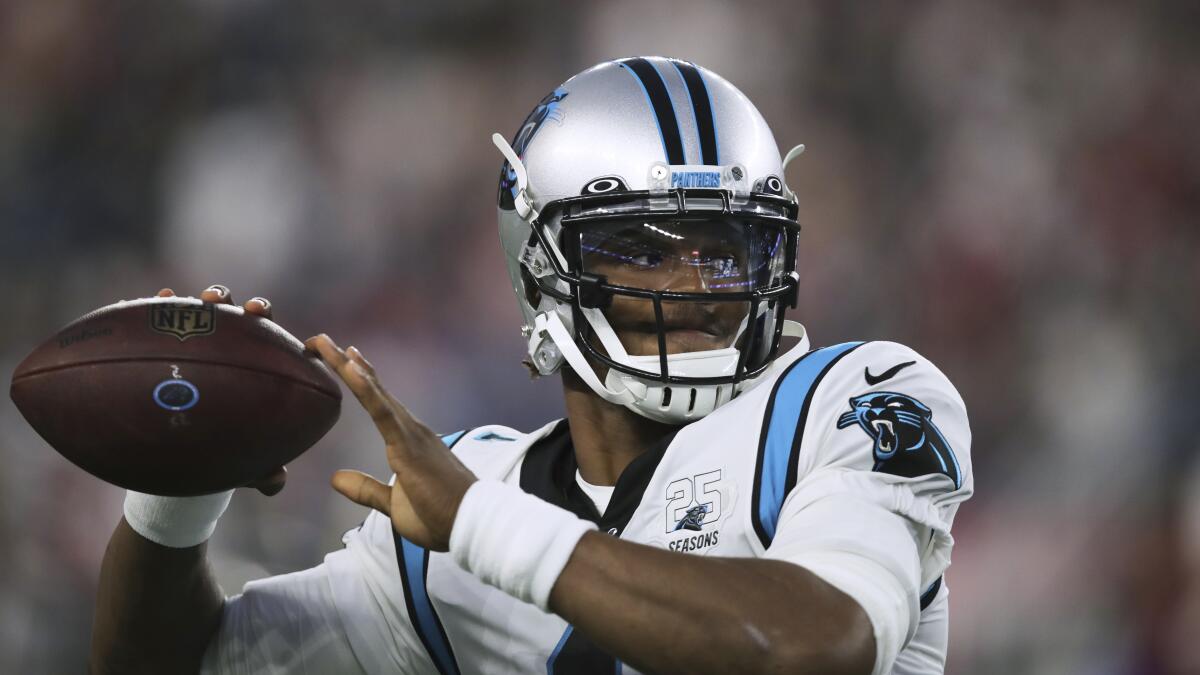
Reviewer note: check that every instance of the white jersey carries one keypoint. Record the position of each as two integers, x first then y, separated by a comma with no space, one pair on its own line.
849,461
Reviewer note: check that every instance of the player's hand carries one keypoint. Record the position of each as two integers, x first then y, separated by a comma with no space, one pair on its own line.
272,483
430,481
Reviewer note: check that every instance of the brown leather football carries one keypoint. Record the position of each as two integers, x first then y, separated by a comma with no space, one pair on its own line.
175,396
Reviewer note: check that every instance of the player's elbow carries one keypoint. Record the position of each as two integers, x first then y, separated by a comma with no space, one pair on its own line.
843,645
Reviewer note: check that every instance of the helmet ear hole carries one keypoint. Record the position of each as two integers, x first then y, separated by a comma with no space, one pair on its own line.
533,295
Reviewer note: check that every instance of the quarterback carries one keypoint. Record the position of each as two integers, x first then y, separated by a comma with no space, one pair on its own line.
708,505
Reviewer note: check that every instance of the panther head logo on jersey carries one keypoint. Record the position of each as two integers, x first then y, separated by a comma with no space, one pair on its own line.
907,442
693,519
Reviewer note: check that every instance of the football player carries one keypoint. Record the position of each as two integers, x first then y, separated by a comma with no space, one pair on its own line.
708,505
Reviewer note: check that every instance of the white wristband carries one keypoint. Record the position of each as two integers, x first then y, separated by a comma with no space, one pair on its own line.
176,522
513,540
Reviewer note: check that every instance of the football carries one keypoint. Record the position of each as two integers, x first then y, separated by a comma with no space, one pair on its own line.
175,396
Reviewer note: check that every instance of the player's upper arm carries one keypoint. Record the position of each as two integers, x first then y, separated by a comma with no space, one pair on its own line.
882,461
283,624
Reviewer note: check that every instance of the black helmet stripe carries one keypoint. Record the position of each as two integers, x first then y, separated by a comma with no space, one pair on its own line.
702,107
664,112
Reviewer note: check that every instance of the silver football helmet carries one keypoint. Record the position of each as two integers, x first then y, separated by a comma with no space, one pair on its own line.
648,230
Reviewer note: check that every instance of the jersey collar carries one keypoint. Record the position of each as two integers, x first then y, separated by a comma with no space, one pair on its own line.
549,470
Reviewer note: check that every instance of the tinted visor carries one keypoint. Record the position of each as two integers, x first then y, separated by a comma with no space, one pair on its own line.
711,256
719,261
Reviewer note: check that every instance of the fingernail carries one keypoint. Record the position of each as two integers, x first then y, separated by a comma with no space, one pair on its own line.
218,289
359,355
262,301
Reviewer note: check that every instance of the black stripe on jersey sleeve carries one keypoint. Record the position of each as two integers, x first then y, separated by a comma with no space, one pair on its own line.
930,593
794,459
413,562
421,612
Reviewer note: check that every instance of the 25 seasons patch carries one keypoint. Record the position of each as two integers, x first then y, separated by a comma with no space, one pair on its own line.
183,321
695,542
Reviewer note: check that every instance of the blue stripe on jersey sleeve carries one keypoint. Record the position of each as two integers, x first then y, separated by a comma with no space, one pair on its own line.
578,654
451,439
783,431
413,561
558,649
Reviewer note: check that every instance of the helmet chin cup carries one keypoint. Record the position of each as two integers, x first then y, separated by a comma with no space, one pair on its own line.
679,404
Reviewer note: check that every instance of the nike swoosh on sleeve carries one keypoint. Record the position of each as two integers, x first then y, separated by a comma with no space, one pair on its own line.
887,374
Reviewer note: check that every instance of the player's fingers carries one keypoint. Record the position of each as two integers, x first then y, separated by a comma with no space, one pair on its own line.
413,428
373,400
362,489
358,357
273,483
258,305
409,433
322,345
367,372
397,408
217,294
165,293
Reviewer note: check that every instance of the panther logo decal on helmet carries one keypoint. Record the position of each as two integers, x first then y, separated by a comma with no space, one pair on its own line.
546,109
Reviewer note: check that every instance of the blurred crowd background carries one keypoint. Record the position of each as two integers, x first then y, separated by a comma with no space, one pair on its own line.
1013,189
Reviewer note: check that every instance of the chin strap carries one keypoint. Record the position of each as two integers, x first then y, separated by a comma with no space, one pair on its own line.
552,324
608,337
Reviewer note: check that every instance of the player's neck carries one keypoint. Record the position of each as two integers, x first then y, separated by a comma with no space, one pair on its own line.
606,437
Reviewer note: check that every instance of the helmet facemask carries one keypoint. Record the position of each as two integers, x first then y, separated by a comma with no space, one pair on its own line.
678,293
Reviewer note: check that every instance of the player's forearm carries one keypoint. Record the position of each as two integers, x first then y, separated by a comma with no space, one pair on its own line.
156,609
669,612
